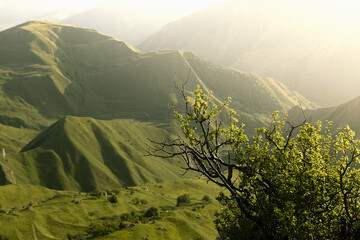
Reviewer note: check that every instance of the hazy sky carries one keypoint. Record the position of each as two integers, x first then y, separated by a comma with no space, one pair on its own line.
13,12
84,4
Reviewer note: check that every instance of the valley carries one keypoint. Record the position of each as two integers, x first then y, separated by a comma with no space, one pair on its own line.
107,87
80,112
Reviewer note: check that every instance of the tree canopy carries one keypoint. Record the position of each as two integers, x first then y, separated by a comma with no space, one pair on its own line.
285,182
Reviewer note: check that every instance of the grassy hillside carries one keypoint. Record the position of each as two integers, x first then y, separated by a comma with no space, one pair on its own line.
86,154
344,114
77,108
312,47
50,71
43,66
34,212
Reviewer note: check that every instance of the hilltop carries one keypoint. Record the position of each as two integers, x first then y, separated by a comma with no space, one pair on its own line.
80,105
52,70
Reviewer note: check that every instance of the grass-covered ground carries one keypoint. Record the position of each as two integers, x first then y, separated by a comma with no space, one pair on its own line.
85,154
50,71
34,212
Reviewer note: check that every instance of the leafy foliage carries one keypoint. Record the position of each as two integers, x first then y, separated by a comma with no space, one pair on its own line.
137,201
286,182
152,212
206,198
183,199
53,61
101,229
113,199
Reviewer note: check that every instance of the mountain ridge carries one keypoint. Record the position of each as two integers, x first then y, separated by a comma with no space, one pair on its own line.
341,115
307,50
85,79
83,88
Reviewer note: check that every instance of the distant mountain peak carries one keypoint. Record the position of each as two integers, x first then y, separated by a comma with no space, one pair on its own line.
117,97
310,46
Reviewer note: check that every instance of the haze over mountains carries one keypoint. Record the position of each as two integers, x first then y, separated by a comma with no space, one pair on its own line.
344,114
49,71
77,107
78,104
134,21
310,46
54,77
15,12
129,20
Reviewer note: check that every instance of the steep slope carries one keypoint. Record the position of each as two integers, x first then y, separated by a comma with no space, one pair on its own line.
12,139
344,114
310,46
86,154
49,71
38,63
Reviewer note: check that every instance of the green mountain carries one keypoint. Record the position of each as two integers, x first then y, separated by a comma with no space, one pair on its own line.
344,114
86,154
51,71
312,47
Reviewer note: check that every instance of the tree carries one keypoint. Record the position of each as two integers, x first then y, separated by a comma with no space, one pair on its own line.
286,182
183,200
113,199
152,212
